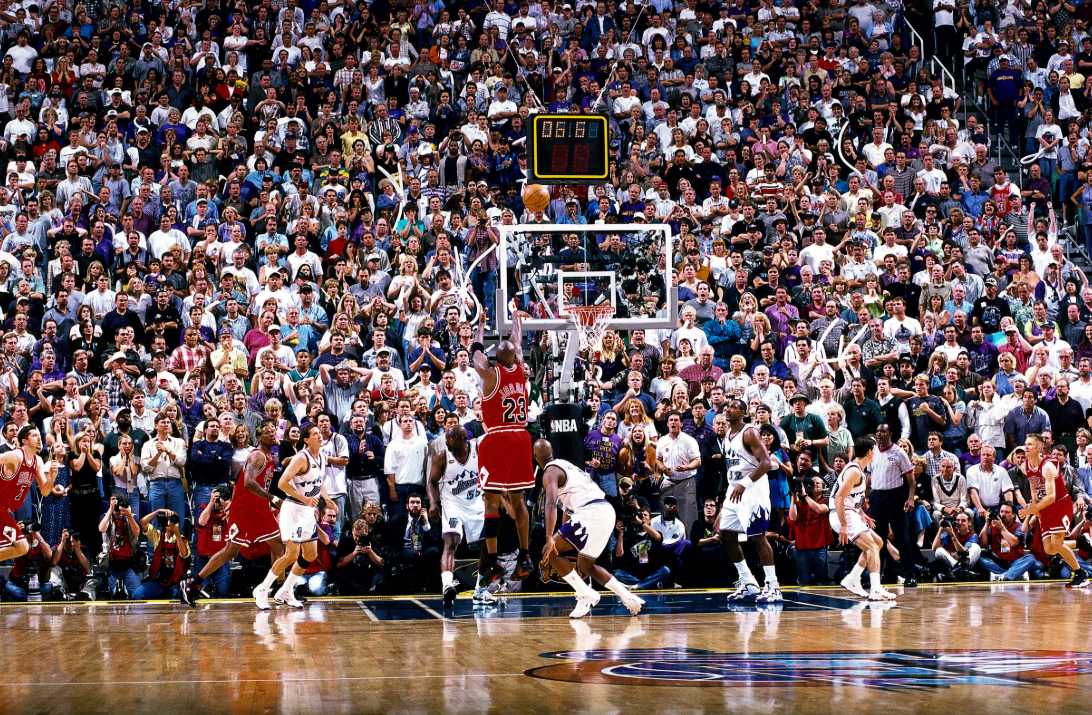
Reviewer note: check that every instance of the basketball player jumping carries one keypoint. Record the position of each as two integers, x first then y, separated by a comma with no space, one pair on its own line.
18,473
852,525
251,520
453,490
746,510
587,522
302,483
1051,504
504,452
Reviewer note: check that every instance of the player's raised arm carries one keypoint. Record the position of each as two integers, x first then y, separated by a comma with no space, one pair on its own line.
516,336
478,358
47,473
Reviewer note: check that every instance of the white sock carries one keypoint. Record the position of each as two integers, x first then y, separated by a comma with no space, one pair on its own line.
855,572
478,583
270,579
447,578
573,579
745,575
874,578
771,575
289,582
618,588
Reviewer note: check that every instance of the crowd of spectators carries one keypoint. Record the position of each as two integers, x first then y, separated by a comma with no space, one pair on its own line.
218,213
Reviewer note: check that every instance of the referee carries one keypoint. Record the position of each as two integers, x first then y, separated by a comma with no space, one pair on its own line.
892,498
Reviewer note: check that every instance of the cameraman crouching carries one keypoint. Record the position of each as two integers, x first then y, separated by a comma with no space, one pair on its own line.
70,567
1006,559
34,562
121,556
360,568
956,543
212,527
169,558
811,531
638,558
315,578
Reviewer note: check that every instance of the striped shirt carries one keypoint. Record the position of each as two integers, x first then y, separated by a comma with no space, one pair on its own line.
932,463
888,467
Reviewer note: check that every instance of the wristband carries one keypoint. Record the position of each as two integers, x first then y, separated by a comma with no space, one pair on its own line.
476,347
745,483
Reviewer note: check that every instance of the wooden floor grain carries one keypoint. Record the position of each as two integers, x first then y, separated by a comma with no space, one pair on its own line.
332,657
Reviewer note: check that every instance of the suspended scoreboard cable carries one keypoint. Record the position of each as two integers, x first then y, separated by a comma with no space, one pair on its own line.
568,149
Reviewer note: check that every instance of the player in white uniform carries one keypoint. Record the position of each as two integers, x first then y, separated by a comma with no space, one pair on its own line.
455,500
304,488
746,510
852,525
587,522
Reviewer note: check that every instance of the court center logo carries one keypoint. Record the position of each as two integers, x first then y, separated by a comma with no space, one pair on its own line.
886,670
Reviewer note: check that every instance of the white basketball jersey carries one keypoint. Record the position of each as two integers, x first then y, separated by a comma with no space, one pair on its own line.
740,463
856,495
459,482
579,489
309,482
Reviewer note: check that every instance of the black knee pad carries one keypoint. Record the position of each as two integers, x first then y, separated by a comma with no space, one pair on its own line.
302,562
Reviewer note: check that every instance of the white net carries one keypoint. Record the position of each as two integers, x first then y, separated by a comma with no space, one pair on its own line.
591,322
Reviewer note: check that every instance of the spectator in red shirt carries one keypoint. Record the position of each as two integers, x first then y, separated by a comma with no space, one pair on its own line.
811,532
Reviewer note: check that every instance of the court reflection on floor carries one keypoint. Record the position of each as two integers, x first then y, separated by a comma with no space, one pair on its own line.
937,648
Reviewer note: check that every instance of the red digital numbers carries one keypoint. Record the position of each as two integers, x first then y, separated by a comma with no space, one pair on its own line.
581,156
559,159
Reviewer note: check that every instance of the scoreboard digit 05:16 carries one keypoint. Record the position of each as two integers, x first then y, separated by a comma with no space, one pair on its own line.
568,148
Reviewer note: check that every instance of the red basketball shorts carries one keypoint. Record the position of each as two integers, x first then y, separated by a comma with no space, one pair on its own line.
504,460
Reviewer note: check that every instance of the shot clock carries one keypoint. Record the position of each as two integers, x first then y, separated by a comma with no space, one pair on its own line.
568,149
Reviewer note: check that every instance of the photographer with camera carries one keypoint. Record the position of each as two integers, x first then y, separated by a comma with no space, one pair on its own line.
956,544
811,532
70,568
637,553
29,569
212,533
121,556
169,559
360,568
1004,558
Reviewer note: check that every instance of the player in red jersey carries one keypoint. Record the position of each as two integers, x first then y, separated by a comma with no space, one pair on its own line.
18,473
504,452
1051,504
250,519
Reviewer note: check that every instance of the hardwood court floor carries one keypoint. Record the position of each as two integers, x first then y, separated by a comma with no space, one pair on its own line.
958,650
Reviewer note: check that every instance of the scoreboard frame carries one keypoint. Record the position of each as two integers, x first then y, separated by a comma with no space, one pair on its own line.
600,144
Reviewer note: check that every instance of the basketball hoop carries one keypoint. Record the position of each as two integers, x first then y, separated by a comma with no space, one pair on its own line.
591,322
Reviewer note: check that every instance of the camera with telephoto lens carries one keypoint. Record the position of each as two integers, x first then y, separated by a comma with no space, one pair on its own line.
629,513
123,502
796,486
162,521
34,527
947,523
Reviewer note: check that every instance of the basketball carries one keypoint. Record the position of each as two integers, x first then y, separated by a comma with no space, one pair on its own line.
536,197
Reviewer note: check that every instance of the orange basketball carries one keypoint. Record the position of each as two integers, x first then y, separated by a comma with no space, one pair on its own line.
536,197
